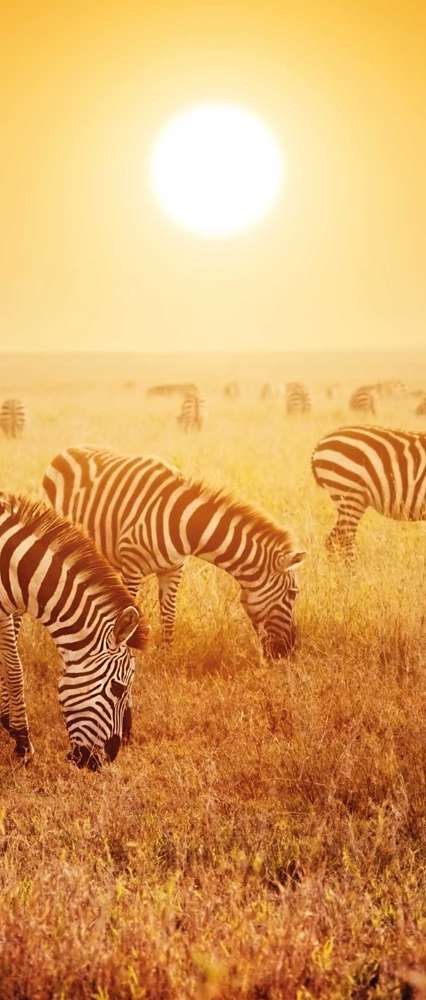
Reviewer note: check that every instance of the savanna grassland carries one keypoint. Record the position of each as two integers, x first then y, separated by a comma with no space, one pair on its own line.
264,835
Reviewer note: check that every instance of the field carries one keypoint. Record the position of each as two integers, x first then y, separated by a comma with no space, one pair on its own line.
264,835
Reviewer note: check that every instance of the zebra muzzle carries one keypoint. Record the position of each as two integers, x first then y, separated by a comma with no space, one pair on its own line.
278,649
83,757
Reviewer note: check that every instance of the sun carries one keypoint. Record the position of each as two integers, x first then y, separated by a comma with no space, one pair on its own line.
216,169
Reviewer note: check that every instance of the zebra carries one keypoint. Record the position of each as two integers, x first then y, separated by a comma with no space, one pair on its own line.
49,568
13,417
172,389
391,389
146,517
363,467
192,412
231,390
297,398
330,390
362,399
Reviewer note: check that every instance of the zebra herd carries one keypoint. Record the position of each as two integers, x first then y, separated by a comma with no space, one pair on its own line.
296,395
75,563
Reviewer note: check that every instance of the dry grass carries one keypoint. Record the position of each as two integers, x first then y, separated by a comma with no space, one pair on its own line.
264,836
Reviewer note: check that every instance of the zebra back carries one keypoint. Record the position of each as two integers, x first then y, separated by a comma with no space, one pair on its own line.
363,399
297,398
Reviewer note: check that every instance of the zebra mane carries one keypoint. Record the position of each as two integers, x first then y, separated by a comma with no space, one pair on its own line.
261,521
69,540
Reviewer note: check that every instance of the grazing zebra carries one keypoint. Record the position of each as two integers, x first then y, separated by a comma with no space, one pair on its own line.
13,417
192,413
147,518
391,389
375,467
172,389
362,399
49,568
297,398
420,410
231,390
267,391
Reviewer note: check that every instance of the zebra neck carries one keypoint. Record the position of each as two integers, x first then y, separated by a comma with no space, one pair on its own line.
217,535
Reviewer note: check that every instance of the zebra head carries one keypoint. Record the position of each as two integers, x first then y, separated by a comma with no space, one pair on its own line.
269,603
95,696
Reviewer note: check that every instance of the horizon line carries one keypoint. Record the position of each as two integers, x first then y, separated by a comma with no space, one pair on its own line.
224,351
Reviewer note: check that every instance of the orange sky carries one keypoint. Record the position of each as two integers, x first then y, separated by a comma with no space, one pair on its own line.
87,258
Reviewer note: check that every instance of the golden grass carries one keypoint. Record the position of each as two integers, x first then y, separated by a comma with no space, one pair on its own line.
264,835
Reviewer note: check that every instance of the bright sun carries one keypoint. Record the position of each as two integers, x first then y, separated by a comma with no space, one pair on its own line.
216,169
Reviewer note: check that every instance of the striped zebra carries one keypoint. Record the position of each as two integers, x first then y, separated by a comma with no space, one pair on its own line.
171,389
391,389
362,400
297,398
192,413
49,568
145,517
231,390
13,417
363,467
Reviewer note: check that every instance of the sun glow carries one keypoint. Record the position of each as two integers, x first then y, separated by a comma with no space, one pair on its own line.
216,169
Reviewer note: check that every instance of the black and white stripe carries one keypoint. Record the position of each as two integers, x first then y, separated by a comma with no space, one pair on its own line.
147,518
362,399
297,398
363,467
13,417
192,413
50,569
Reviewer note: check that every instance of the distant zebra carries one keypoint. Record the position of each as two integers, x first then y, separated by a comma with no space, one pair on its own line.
192,413
147,518
420,410
330,390
13,417
266,391
172,389
391,389
297,398
231,390
362,400
50,569
363,467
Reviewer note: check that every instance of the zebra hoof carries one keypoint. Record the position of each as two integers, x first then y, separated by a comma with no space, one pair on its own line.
23,746
24,751
4,721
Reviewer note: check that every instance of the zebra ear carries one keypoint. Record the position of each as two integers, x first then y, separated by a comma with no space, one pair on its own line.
126,624
284,561
295,558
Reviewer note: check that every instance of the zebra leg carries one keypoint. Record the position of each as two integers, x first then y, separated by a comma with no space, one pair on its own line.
168,584
15,720
349,513
4,693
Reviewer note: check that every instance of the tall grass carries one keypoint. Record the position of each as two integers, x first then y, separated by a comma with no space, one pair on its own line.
264,835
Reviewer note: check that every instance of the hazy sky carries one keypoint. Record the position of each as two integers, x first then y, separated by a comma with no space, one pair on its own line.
87,258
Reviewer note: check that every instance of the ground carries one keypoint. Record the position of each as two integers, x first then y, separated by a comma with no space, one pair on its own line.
264,835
